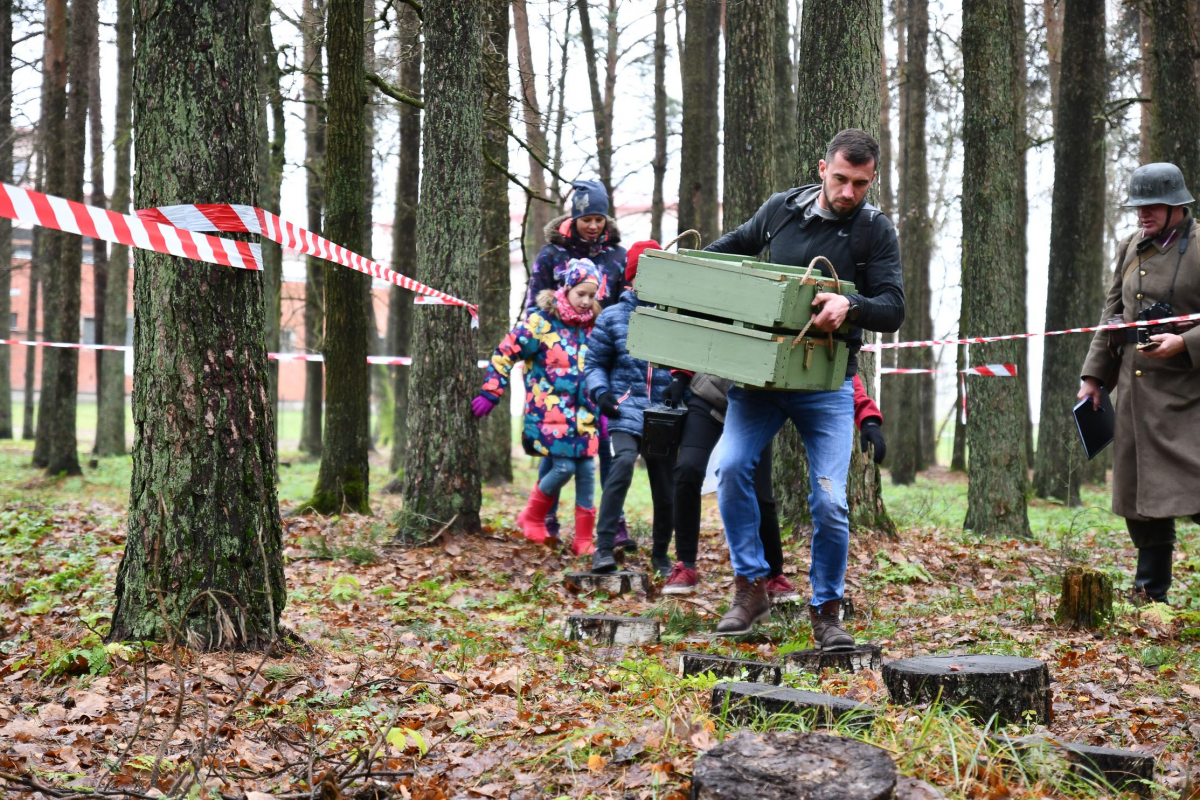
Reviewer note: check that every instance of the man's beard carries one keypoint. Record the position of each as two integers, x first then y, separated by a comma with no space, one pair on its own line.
832,207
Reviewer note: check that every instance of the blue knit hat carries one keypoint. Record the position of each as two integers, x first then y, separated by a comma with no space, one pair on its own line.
589,198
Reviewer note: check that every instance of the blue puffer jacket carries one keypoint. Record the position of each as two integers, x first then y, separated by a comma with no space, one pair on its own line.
610,368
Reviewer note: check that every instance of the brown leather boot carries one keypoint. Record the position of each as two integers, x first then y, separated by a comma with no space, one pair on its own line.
828,632
750,605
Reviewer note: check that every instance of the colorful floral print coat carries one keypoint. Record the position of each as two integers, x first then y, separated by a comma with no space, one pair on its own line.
560,419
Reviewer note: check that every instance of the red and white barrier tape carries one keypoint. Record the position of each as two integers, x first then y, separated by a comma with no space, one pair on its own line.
232,218
986,339
905,371
987,371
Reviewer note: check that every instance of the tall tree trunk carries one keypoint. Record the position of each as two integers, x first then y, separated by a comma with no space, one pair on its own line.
343,482
99,247
1175,113
49,45
313,32
110,416
1076,242
378,374
204,555
560,114
404,230
887,194
785,101
958,455
60,379
6,169
907,440
1053,12
701,132
657,205
441,472
1146,49
495,282
535,131
992,262
840,40
1022,359
601,110
749,110
270,180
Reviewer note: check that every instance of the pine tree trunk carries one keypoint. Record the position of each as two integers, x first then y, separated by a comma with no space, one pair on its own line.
1175,112
1022,352
313,32
1076,243
270,179
887,194
1147,142
495,283
841,40
404,230
60,374
657,206
750,140
99,247
958,455
992,263
785,101
441,472
1053,14
6,169
600,118
203,557
535,134
343,482
907,441
701,132
110,414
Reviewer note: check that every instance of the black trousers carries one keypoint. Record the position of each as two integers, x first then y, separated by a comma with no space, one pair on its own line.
625,449
700,434
1153,532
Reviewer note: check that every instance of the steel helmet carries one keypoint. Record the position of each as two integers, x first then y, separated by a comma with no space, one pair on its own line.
1157,183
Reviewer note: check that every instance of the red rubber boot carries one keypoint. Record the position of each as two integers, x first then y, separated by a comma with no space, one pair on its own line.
585,526
532,521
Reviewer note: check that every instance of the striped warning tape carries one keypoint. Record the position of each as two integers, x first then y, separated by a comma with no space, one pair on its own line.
1007,337
987,371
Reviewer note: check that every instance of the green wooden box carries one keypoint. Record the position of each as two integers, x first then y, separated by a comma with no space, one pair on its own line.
749,357
732,288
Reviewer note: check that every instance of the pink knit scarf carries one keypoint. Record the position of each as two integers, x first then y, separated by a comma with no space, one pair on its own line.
567,312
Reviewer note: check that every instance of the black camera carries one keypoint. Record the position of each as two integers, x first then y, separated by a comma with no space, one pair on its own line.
1157,311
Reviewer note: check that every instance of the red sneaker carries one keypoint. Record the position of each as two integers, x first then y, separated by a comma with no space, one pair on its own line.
682,580
781,590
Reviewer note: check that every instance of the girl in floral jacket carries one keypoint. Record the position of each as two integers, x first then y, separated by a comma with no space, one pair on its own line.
560,419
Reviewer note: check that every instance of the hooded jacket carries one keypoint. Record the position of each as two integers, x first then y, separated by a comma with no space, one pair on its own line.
560,419
610,368
606,253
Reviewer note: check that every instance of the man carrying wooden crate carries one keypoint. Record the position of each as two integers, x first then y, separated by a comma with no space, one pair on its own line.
830,219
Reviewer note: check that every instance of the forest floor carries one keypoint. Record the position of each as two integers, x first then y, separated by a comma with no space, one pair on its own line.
445,668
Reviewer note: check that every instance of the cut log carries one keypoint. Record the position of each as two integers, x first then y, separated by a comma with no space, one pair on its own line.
863,656
1087,599
789,765
1006,686
607,630
746,703
612,583
736,668
1124,770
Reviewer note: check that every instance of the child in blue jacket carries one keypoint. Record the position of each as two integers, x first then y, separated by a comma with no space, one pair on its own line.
623,387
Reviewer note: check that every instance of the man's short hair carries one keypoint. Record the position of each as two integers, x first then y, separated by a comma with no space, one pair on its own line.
857,146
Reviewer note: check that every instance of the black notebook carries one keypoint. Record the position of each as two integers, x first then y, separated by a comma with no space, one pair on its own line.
1095,425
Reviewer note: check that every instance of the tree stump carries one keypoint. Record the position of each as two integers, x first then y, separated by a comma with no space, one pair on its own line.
863,656
736,668
1003,685
612,583
745,703
1124,770
789,765
1087,599
799,608
609,630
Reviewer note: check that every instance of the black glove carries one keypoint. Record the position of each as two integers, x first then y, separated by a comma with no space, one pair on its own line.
872,434
673,394
608,406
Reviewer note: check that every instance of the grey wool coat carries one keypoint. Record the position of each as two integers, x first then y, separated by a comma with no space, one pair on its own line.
1156,449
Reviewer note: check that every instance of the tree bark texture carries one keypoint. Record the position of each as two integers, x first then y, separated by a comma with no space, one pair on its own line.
1146,51
1076,244
1087,595
99,246
839,56
785,100
993,264
60,374
343,482
203,560
6,169
602,103
701,131
441,474
110,414
270,180
887,193
1175,112
404,227
750,109
535,131
36,254
495,282
657,206
1006,686
1053,14
1021,288
958,453
313,32
907,452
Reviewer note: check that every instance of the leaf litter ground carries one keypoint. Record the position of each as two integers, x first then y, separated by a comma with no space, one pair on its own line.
441,671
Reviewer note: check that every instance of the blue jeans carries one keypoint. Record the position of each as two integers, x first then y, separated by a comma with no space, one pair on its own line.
559,472
605,465
826,424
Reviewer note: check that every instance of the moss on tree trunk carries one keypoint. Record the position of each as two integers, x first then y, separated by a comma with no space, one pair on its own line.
1175,110
203,558
312,28
700,127
441,473
750,108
